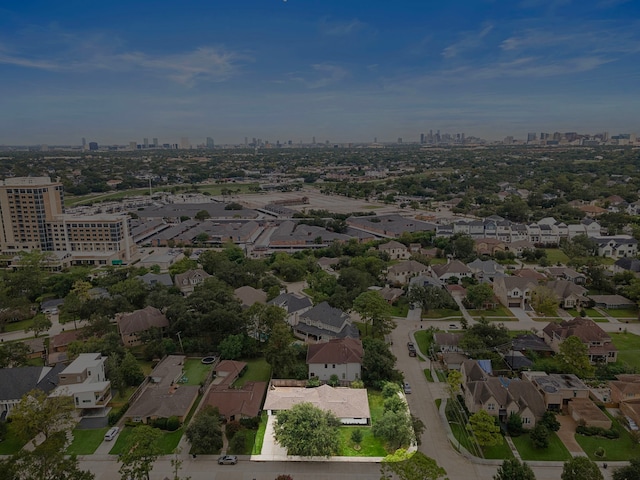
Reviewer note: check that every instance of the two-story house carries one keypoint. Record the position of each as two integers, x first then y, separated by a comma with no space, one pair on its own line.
600,348
395,250
132,324
323,323
341,357
86,382
514,292
400,273
452,269
186,282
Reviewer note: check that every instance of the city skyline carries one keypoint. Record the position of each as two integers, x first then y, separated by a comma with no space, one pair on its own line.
339,71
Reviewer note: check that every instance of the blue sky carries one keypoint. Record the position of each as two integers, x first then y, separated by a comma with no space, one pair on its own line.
339,70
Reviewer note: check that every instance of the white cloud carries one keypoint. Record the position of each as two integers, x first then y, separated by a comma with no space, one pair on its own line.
341,28
469,41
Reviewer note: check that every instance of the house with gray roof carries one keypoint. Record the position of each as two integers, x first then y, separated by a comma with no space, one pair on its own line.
568,294
151,279
454,268
131,324
514,292
389,226
323,323
294,304
485,269
395,250
400,273
17,382
627,264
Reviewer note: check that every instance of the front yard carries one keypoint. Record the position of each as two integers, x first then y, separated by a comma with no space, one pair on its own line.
556,451
618,449
85,442
167,443
628,346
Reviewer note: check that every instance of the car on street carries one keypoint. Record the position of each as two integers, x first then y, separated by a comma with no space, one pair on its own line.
228,460
407,387
412,349
453,326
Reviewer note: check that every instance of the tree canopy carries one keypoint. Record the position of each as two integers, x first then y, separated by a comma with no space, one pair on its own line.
307,431
514,469
580,468
410,466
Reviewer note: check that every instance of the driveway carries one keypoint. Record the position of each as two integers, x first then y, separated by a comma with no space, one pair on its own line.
567,434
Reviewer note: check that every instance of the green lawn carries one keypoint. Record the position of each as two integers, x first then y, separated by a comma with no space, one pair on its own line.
591,313
85,442
628,346
257,370
441,375
167,443
622,448
424,338
195,371
623,313
249,441
369,447
400,310
500,311
555,452
376,404
428,375
498,452
12,443
442,313
259,439
555,255
18,326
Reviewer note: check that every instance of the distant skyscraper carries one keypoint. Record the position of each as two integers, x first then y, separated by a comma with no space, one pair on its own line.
209,142
399,139
133,145
84,143
246,141
313,140
531,137
155,142
145,142
422,138
375,139
93,145
184,143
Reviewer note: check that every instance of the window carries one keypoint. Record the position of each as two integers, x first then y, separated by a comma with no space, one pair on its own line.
325,365
491,406
526,421
334,365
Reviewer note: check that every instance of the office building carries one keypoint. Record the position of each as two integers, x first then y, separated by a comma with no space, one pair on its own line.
155,143
32,218
184,143
145,143
133,146
210,142
93,145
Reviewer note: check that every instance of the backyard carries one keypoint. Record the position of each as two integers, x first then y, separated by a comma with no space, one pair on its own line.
195,372
628,346
258,370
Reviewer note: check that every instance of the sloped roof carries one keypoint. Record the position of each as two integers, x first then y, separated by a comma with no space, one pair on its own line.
455,266
245,402
326,314
249,295
20,380
182,279
448,339
408,266
290,302
566,288
392,245
339,351
141,320
342,402
151,278
627,384
584,328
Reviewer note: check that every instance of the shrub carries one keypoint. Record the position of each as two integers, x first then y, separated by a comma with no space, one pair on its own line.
334,380
357,384
313,382
115,415
237,443
173,424
160,423
550,421
389,389
356,436
597,432
232,428
539,436
514,425
251,423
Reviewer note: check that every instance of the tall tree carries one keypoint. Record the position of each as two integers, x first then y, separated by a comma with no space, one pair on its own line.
628,472
204,432
395,428
573,357
307,431
478,295
375,311
279,351
378,363
36,413
410,466
544,300
485,429
140,453
580,468
514,469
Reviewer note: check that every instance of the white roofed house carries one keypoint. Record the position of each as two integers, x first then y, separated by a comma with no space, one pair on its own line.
85,381
341,357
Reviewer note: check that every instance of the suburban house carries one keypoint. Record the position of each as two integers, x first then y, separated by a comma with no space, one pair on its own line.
249,295
447,342
617,247
532,343
452,269
489,246
18,381
51,306
599,345
568,293
612,301
341,357
625,388
58,346
400,273
395,250
151,279
235,403
566,273
514,291
587,413
131,324
186,282
350,405
295,305
485,270
501,396
557,389
165,395
324,322
626,264
390,294
85,381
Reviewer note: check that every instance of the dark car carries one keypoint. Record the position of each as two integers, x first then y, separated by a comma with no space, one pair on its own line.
228,460
412,349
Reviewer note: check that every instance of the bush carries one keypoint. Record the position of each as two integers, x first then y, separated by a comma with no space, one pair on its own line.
357,384
390,389
160,423
539,436
115,415
232,428
173,424
550,421
313,382
238,443
356,436
597,432
514,425
251,423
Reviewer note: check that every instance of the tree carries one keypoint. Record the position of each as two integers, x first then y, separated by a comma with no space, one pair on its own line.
375,311
539,436
395,428
573,358
14,354
36,413
378,363
514,469
40,324
550,421
514,424
279,351
130,370
410,466
140,453
231,347
47,460
544,300
478,295
307,431
628,472
580,468
176,465
430,297
204,432
454,381
484,428
202,215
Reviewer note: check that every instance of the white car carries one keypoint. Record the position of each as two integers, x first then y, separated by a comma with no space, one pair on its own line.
632,424
111,434
407,388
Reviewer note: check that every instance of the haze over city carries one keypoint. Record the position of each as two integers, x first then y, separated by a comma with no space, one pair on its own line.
340,71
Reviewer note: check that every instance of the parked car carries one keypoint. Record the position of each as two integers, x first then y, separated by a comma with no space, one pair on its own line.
412,349
111,433
407,387
228,460
632,424
453,326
